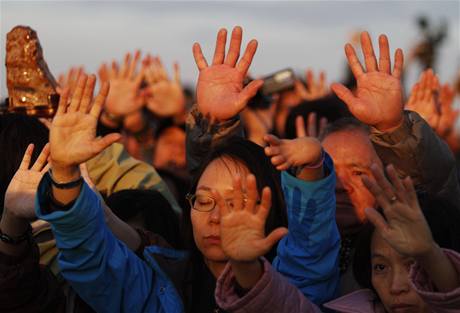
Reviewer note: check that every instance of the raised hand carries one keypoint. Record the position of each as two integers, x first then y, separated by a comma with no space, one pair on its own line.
20,194
378,100
423,98
312,126
73,130
124,97
285,153
404,227
242,225
220,92
165,96
315,89
69,80
448,115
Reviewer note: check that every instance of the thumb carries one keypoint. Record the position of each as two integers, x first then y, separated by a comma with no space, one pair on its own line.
250,91
102,143
272,140
344,94
275,236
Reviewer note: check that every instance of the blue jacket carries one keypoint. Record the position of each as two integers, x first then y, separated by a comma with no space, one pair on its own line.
309,255
102,269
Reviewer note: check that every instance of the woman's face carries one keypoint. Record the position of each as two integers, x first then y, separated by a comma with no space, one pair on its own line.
390,278
218,175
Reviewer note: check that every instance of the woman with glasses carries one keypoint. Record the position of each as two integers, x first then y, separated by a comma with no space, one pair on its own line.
236,213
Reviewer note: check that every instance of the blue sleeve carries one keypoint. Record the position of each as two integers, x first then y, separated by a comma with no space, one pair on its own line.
308,256
102,270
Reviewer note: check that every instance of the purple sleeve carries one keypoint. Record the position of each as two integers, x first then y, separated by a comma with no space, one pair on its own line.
439,302
272,293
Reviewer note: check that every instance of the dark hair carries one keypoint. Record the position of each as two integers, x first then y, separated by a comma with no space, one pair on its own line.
345,123
443,220
165,124
253,157
157,213
16,133
329,107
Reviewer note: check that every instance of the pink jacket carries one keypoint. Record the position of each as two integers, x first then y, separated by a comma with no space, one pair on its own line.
273,293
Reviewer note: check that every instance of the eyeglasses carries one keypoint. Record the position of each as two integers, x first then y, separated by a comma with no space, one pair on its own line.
201,203
204,203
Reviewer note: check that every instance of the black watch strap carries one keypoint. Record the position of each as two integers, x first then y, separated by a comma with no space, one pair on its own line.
68,185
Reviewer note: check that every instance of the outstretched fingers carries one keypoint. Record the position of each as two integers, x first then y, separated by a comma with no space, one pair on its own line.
87,94
177,78
42,158
133,65
251,193
246,60
274,237
344,94
384,56
221,203
238,196
100,100
368,52
353,61
63,101
199,57
377,220
235,46
376,191
399,63
78,94
100,144
219,52
27,157
249,92
265,203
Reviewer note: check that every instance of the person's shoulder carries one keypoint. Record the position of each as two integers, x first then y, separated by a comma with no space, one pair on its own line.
360,301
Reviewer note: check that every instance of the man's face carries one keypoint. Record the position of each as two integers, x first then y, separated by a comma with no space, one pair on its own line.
170,149
353,154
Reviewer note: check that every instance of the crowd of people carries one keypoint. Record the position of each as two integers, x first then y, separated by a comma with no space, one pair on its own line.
145,196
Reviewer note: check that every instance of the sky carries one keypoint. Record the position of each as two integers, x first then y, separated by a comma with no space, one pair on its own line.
302,34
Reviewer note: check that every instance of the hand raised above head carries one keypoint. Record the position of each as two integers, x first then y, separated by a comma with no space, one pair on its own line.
423,98
378,99
73,130
20,194
402,223
220,92
69,80
124,97
165,97
315,89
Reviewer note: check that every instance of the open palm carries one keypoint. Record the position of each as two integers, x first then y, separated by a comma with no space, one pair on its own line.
242,226
73,131
404,226
220,92
378,99
165,96
20,194
124,97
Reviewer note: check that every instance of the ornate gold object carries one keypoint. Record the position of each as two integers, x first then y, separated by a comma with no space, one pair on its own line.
31,86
